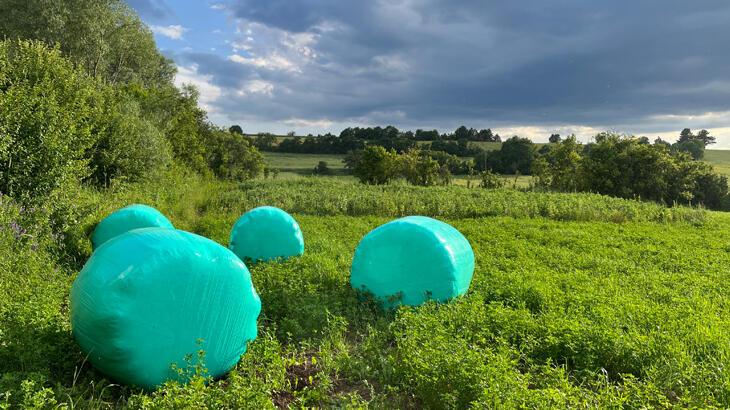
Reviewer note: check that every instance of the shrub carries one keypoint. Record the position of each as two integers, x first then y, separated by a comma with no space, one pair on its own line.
419,169
376,165
231,156
490,180
322,168
129,147
46,112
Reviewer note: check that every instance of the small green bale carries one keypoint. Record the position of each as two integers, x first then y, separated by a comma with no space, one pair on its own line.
147,302
412,260
266,233
126,219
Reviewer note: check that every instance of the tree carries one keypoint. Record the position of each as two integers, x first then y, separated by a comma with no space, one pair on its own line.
694,147
661,143
105,37
420,169
705,137
232,157
47,112
236,129
517,155
376,165
686,135
265,141
560,167
554,138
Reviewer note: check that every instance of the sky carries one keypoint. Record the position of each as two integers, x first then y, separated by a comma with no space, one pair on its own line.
528,68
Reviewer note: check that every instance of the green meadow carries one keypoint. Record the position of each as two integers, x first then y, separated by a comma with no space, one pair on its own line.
577,300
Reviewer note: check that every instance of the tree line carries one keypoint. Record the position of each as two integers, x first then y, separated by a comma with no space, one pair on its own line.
613,164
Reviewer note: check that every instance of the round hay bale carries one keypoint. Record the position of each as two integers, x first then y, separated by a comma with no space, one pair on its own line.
126,219
152,298
411,260
266,233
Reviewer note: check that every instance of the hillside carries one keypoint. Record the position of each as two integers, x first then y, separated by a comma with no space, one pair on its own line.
577,300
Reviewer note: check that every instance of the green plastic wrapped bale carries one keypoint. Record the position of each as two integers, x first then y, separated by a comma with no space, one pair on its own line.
411,260
152,298
126,219
266,233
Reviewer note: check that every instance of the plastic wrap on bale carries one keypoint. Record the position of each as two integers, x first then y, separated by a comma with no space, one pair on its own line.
266,233
412,260
126,219
152,298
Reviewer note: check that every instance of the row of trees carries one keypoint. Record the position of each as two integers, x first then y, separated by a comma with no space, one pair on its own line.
631,168
390,137
85,96
615,165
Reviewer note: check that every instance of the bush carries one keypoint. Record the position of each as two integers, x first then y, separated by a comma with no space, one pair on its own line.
129,147
419,169
322,168
232,157
47,112
376,166
490,180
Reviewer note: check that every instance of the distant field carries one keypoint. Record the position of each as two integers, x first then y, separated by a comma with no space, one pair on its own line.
301,165
720,160
297,165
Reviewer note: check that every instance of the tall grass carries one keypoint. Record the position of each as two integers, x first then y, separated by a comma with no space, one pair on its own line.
321,196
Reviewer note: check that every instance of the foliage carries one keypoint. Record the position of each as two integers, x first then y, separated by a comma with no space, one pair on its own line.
562,311
694,148
560,167
105,37
703,137
376,165
516,155
264,141
459,148
626,167
47,112
489,180
322,168
129,146
419,169
232,157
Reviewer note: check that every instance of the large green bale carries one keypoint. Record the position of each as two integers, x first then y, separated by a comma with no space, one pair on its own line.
152,297
266,233
126,219
411,260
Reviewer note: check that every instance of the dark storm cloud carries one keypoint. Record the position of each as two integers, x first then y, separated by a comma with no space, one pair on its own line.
435,61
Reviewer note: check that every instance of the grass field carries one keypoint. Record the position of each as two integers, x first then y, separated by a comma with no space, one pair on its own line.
577,300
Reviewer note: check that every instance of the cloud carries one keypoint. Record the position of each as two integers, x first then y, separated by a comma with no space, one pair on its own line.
174,31
300,122
209,92
272,62
530,67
